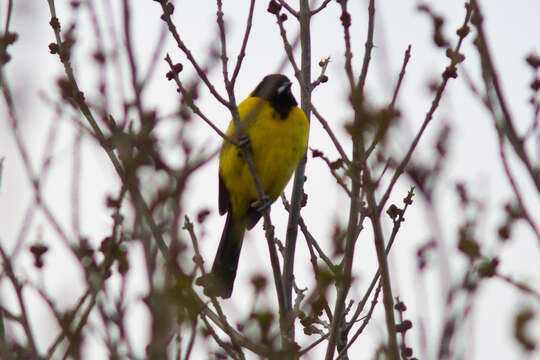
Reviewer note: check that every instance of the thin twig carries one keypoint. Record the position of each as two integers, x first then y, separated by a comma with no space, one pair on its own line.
188,225
356,189
515,187
368,47
289,8
391,106
519,285
222,344
182,46
321,7
446,76
191,339
367,318
298,73
85,110
332,136
242,52
24,320
341,182
188,99
375,279
495,95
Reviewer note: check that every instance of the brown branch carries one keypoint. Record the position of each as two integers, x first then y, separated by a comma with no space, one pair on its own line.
182,46
35,180
233,353
223,41
367,318
298,73
23,318
397,224
242,52
368,46
515,188
519,286
188,100
297,196
289,8
448,73
359,162
188,225
341,182
322,78
496,97
81,104
141,206
189,349
332,136
391,106
321,7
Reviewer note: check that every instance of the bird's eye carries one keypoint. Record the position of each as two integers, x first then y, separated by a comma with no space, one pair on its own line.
284,88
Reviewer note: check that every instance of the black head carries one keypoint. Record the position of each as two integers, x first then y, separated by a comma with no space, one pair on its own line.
276,89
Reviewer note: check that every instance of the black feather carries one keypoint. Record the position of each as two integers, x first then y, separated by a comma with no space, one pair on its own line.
223,273
283,101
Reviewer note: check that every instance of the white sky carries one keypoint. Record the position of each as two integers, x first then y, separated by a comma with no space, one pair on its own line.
512,28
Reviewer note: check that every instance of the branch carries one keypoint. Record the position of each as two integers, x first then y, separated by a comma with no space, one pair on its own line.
289,8
359,162
448,73
368,46
322,6
141,206
298,185
391,106
200,72
242,53
397,223
23,318
298,73
188,99
79,101
495,96
367,318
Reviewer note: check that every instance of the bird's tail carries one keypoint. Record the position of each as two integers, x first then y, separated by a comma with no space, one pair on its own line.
227,256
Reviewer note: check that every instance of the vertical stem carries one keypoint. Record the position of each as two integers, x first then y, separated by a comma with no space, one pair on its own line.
344,281
388,299
304,17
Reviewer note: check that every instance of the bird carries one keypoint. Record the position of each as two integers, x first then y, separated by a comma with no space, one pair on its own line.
276,131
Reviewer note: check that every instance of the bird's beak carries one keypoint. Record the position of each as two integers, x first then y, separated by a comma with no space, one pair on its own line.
284,88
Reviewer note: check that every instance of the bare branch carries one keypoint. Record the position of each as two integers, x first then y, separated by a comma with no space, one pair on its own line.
449,72
242,52
391,106
321,7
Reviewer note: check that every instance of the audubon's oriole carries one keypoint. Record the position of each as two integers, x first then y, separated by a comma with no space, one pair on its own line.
277,131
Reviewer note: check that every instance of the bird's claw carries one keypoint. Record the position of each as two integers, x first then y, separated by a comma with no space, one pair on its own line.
243,142
262,204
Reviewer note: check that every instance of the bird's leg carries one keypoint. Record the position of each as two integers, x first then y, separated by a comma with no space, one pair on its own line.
244,143
262,204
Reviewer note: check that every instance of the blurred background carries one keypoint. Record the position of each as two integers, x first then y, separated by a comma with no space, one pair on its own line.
60,151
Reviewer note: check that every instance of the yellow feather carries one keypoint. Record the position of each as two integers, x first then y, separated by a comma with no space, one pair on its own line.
277,145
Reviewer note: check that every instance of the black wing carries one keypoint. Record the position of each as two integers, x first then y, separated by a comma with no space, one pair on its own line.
224,201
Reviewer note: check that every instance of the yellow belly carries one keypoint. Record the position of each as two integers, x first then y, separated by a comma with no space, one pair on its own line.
277,146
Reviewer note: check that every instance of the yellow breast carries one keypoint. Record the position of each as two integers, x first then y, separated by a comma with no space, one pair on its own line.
277,145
